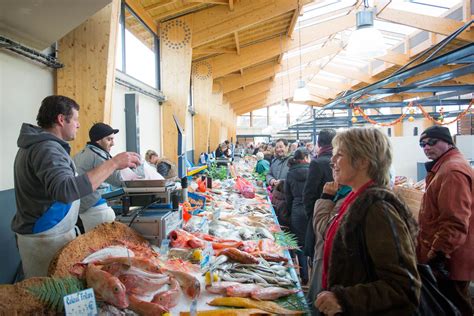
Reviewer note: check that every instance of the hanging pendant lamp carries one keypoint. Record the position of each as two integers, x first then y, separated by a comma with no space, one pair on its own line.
366,42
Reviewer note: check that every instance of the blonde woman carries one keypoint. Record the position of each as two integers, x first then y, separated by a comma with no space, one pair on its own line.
369,265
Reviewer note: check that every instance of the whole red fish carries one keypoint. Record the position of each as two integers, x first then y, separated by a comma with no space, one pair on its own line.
270,256
182,239
220,287
106,286
242,290
238,255
146,308
271,293
140,285
189,284
168,299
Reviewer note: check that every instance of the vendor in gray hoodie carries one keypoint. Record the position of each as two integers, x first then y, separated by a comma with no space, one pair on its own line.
279,165
47,186
94,210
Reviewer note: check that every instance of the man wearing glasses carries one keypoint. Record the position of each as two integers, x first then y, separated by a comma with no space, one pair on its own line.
446,237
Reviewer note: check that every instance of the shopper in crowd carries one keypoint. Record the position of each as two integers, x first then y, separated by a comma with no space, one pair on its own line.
257,149
293,147
319,173
151,157
262,166
47,188
249,149
446,237
279,165
220,150
310,147
270,147
369,262
278,200
268,155
294,185
324,211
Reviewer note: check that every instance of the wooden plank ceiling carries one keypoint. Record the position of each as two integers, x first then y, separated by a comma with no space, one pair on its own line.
266,31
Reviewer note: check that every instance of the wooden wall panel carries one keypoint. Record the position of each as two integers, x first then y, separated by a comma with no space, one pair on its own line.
202,94
176,53
88,54
224,122
216,118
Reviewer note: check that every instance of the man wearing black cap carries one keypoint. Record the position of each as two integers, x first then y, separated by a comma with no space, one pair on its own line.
94,209
446,237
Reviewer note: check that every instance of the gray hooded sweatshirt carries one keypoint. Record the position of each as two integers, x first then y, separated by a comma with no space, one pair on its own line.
45,181
87,159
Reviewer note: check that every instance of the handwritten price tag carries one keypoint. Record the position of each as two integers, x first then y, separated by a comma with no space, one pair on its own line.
80,303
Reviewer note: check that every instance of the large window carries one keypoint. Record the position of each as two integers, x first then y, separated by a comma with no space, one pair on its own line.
259,118
243,120
137,51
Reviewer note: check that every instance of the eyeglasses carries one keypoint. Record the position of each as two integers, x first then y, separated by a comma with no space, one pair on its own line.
431,142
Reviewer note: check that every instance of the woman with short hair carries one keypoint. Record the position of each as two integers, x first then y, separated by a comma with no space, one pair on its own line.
369,262
151,157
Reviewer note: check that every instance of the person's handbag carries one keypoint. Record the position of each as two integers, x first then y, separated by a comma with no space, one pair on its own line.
432,301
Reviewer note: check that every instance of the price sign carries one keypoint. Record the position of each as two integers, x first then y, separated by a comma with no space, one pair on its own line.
80,303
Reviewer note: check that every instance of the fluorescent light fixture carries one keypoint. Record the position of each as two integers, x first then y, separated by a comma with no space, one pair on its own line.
366,42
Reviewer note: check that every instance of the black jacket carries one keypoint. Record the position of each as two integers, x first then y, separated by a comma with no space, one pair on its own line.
294,186
319,173
279,205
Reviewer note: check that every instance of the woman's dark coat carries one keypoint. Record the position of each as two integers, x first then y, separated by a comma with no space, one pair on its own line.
279,205
294,187
394,287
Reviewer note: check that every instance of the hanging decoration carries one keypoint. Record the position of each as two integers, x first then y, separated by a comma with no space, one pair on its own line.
411,110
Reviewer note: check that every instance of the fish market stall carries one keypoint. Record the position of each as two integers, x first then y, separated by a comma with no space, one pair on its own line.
225,251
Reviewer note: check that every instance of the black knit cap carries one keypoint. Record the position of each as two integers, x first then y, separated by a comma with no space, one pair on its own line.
438,132
101,130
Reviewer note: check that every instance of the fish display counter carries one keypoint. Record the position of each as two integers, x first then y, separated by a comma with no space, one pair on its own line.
230,257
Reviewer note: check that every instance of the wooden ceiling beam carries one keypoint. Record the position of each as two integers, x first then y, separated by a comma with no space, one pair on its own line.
211,50
256,74
331,48
237,44
251,90
252,75
276,95
256,98
350,73
216,22
138,8
260,52
160,4
395,58
339,86
320,92
221,2
250,108
428,23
